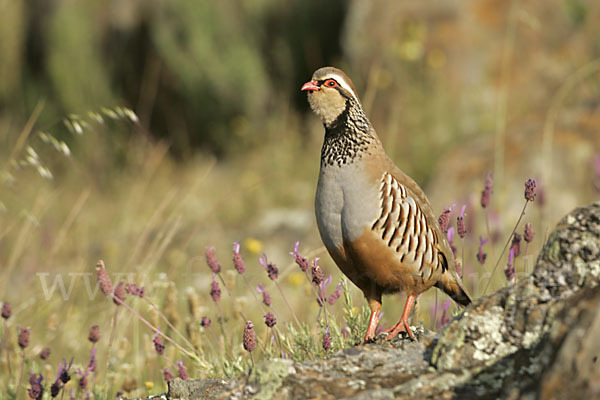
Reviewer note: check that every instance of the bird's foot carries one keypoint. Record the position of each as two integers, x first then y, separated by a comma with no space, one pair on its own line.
401,326
368,340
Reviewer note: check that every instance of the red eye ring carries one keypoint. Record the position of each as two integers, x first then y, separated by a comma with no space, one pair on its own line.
330,83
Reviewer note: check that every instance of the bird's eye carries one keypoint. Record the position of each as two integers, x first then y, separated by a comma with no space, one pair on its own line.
330,83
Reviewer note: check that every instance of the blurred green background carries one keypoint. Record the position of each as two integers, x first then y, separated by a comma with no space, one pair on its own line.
224,147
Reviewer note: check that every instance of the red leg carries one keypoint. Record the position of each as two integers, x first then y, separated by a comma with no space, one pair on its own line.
402,325
375,306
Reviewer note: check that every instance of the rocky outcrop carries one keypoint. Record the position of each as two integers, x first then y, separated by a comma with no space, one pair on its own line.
535,339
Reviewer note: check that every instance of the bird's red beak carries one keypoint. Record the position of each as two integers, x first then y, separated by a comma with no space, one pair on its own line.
311,86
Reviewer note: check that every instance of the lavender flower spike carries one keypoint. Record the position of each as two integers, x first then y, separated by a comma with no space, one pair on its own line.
509,271
335,295
444,219
301,261
211,260
486,194
215,291
530,190
481,256
266,296
322,290
249,338
460,223
238,261
326,340
271,268
317,272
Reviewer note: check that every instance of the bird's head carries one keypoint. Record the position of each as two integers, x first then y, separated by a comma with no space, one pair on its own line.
330,92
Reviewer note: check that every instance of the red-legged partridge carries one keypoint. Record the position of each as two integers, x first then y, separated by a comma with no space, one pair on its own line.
374,220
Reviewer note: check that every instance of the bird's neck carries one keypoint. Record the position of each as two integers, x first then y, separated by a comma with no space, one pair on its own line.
348,138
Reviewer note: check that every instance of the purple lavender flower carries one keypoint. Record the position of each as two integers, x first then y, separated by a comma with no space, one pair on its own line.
322,298
167,375
445,317
460,223
249,338
530,190
55,388
211,260
335,295
65,376
83,378
45,353
509,271
92,363
486,194
24,334
215,291
159,345
450,236
104,280
36,391
326,340
119,294
205,322
182,371
6,310
238,261
516,244
271,268
528,232
270,320
266,296
458,266
301,261
597,172
135,290
481,256
444,219
316,272
94,334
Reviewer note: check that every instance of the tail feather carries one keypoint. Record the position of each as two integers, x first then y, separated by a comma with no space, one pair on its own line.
451,284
